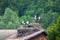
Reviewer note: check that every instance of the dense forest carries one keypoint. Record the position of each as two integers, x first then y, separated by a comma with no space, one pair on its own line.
13,12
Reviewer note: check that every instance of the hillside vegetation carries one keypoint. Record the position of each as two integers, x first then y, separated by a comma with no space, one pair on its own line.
13,12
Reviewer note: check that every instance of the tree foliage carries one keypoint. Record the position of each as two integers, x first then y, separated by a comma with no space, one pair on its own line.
54,31
11,19
48,10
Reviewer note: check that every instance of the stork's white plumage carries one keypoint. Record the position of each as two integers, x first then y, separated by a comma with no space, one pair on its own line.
23,23
27,22
35,17
39,18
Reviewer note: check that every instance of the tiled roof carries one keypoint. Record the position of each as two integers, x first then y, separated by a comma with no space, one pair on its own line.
35,27
27,33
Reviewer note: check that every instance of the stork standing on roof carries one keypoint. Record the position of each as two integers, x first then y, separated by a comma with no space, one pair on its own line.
37,19
27,22
23,23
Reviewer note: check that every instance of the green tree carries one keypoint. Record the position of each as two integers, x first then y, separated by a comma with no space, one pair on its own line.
54,31
2,25
11,17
